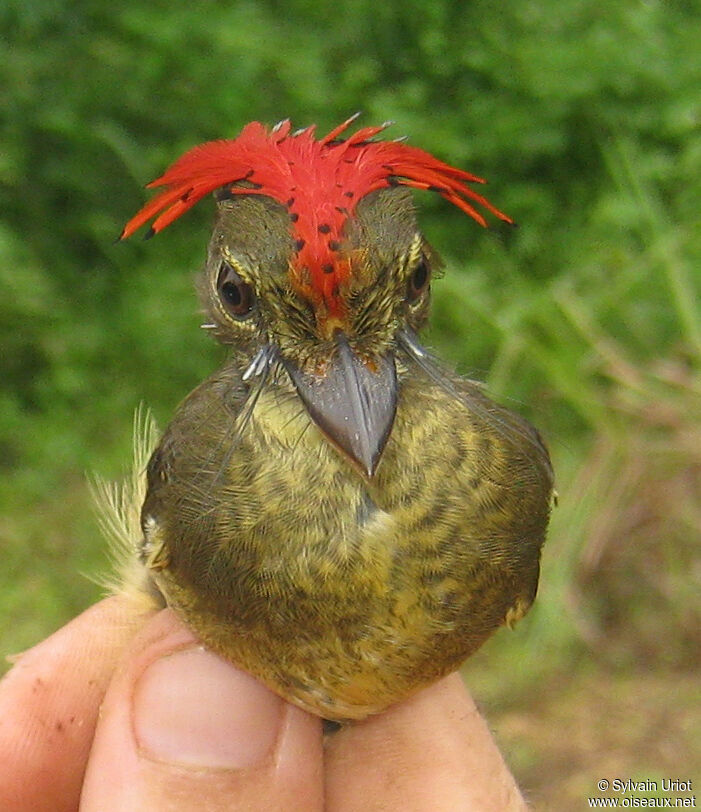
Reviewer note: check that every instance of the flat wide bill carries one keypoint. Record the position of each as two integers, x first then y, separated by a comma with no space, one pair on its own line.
352,402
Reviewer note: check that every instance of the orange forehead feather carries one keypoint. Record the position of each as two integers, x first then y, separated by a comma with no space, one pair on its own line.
319,181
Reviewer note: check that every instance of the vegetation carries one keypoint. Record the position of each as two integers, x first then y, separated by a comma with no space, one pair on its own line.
585,118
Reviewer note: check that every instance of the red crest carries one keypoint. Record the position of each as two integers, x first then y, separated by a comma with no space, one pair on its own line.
319,181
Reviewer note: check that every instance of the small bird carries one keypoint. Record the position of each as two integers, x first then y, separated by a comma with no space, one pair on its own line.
333,510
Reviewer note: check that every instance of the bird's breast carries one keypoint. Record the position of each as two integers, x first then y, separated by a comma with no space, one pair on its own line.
345,592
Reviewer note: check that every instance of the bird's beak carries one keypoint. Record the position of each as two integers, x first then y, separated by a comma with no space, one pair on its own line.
352,401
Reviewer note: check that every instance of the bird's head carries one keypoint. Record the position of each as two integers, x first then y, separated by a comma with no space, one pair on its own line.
316,262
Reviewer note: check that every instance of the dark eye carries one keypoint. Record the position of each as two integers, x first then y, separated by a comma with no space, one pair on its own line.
235,294
418,281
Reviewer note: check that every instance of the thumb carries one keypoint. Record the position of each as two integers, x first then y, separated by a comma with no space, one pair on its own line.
182,729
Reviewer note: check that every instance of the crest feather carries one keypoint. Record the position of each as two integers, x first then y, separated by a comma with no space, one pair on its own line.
319,181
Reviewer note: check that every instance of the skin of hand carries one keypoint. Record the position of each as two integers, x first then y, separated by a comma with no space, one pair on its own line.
121,710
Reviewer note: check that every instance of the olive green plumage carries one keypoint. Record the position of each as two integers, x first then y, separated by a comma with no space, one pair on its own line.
343,589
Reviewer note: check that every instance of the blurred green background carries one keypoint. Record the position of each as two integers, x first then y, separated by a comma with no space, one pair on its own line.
585,116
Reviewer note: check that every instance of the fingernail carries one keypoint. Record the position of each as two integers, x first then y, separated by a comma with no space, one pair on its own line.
192,708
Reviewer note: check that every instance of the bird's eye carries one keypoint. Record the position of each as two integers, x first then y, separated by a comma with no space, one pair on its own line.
418,281
236,296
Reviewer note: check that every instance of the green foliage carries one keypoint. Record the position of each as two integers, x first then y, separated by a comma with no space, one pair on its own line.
584,116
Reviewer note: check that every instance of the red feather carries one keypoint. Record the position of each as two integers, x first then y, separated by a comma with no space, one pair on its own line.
320,182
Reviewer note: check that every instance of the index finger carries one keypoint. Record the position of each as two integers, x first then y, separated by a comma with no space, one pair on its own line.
49,702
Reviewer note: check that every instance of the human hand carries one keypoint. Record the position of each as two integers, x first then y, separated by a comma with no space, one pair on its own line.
122,711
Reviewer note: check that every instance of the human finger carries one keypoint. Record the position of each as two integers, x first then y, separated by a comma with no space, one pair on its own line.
433,751
182,729
49,703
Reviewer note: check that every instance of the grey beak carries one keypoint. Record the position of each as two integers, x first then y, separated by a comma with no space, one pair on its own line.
353,402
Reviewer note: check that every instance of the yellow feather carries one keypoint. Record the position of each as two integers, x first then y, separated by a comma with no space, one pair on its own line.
118,508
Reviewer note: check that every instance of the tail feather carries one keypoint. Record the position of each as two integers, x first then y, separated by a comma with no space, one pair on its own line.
118,508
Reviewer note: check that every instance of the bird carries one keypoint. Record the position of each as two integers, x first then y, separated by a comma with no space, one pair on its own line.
334,510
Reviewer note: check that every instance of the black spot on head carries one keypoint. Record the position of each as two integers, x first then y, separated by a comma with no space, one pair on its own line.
299,244
290,203
324,228
327,267
392,180
225,193
349,194
342,210
334,245
294,216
